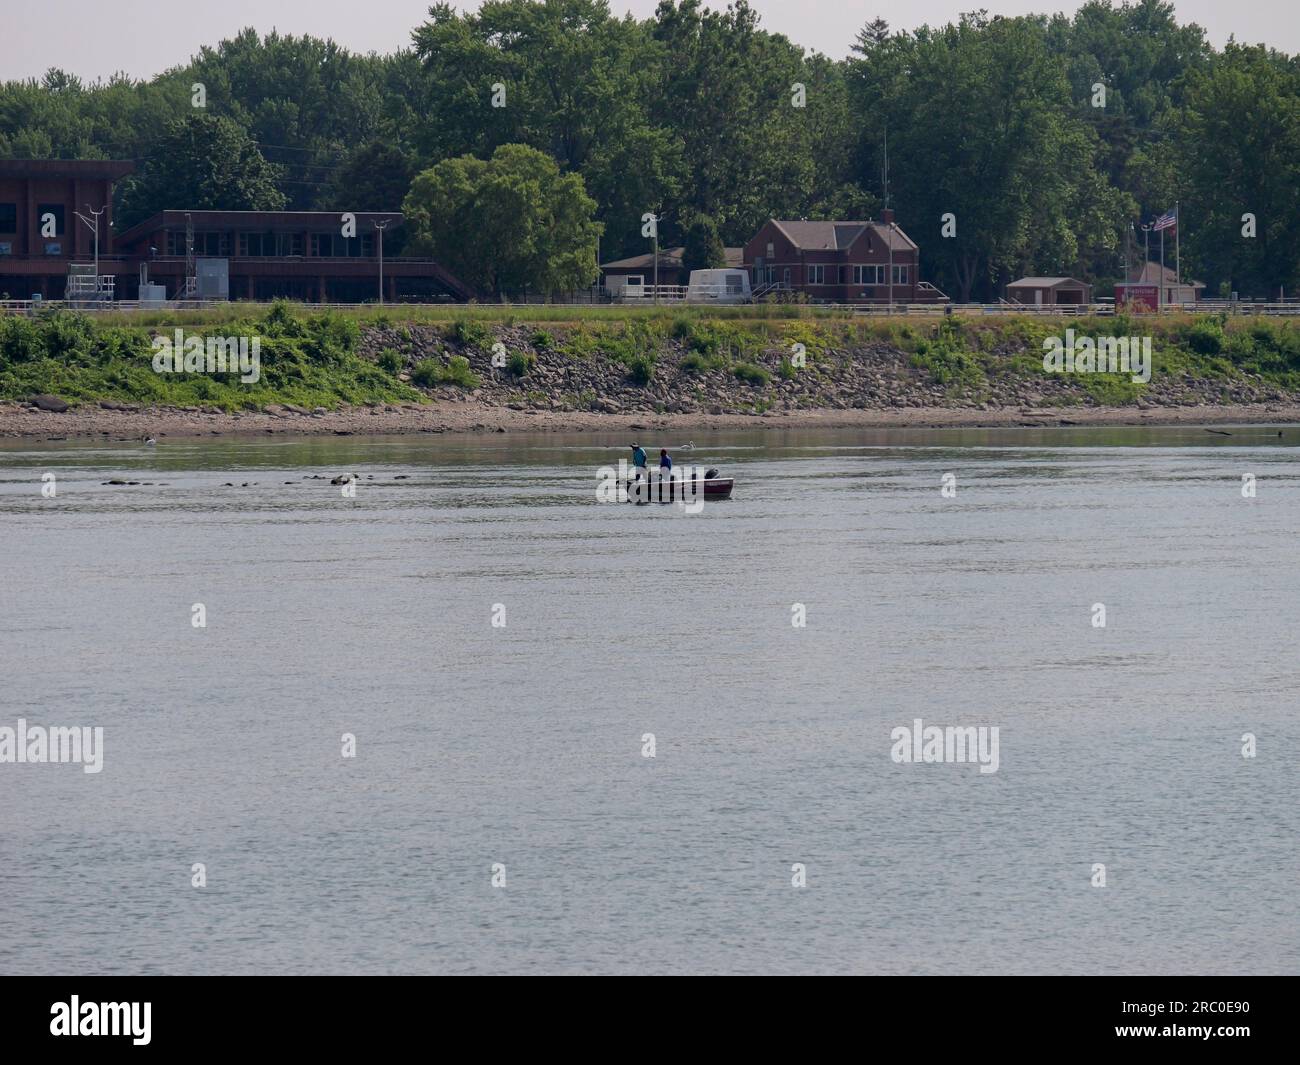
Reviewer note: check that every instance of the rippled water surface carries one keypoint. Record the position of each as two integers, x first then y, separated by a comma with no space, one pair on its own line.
522,744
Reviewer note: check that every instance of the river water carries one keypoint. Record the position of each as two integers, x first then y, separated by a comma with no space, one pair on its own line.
517,750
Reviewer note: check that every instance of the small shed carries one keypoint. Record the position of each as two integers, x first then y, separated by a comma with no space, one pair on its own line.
1049,291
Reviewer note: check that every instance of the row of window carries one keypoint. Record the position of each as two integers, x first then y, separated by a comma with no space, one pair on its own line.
49,216
819,273
280,245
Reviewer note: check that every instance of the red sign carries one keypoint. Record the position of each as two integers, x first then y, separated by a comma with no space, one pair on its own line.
1137,299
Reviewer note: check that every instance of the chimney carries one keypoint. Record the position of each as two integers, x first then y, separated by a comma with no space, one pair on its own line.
887,216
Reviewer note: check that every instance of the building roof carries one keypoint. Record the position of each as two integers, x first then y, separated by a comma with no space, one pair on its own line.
669,258
827,236
1149,273
274,221
90,169
1047,282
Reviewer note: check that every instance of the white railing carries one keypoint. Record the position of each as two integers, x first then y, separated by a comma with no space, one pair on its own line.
1286,308
651,293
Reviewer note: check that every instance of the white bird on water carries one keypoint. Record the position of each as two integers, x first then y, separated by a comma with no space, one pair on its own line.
149,441
686,447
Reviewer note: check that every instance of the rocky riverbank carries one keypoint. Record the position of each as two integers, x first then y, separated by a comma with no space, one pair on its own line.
473,416
686,372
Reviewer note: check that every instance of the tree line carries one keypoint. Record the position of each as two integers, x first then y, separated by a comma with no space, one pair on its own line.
531,135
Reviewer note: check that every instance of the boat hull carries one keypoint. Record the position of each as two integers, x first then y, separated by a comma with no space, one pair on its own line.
674,490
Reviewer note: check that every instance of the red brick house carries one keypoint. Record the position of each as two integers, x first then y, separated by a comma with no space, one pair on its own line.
838,262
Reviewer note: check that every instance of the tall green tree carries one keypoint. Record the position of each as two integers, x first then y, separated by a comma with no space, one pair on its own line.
565,77
1247,105
203,162
999,155
704,249
509,224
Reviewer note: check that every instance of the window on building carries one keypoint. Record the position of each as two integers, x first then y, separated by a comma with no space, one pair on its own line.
8,218
868,275
212,245
816,274
43,213
900,275
256,245
771,250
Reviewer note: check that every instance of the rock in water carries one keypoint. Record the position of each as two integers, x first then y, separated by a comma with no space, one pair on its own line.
344,478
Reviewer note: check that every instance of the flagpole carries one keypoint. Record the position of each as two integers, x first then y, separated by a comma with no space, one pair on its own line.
1178,243
1161,303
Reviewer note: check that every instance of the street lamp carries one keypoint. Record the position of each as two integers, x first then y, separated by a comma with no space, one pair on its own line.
95,227
381,226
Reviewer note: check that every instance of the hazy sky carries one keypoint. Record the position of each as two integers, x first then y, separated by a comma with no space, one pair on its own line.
93,39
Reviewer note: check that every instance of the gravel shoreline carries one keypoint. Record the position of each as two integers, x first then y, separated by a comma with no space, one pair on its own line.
20,421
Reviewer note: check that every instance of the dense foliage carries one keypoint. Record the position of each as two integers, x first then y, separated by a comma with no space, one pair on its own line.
695,114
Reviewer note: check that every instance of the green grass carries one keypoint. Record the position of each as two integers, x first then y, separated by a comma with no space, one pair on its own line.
313,357
430,373
751,374
307,361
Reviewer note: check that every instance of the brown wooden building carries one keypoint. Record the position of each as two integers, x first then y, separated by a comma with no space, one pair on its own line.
639,270
1049,292
259,254
300,255
838,262
39,230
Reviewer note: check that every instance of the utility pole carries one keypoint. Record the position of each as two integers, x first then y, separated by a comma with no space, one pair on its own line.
94,226
885,180
1178,245
655,229
381,226
1162,270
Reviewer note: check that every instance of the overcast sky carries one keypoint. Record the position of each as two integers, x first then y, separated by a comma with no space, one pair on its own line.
93,39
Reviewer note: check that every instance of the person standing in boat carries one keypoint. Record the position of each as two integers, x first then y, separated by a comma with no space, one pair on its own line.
638,460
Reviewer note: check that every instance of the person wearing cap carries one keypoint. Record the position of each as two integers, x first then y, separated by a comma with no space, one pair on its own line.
638,460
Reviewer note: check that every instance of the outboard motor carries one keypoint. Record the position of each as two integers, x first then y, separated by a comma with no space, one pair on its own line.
710,474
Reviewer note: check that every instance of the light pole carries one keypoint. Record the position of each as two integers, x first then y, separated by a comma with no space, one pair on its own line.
655,229
94,226
381,226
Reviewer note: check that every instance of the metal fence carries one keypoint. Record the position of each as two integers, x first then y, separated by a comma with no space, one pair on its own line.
1285,308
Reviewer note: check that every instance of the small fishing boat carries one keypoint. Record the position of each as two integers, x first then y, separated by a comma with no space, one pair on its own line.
666,488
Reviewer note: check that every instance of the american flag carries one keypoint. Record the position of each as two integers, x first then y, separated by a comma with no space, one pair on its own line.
1166,221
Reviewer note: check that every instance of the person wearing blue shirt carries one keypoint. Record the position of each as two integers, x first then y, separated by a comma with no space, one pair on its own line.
665,463
638,459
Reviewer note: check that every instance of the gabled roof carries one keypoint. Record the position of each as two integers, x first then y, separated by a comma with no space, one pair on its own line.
837,236
669,258
1047,282
1149,273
